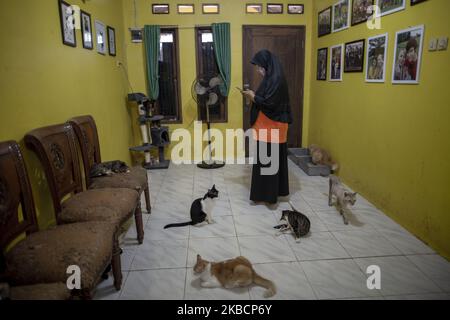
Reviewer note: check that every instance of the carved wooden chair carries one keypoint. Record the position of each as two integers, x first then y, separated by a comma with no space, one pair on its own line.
87,134
55,146
38,263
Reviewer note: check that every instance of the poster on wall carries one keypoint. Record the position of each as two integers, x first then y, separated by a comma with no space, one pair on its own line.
67,21
324,22
341,15
390,6
100,30
354,56
322,60
112,41
376,58
408,55
86,30
336,60
361,11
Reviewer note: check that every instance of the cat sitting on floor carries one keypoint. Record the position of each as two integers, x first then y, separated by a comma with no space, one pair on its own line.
233,273
108,168
201,210
343,197
322,157
294,221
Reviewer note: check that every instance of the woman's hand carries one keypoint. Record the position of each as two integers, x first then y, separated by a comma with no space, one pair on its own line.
249,94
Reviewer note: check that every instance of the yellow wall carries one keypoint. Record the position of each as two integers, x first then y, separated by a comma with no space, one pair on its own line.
44,82
392,140
232,11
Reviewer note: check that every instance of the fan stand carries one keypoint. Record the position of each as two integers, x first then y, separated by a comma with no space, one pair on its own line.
212,164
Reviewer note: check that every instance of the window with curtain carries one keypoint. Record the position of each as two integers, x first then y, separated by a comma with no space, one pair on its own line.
207,65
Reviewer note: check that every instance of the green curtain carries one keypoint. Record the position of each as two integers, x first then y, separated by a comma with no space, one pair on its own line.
151,44
222,49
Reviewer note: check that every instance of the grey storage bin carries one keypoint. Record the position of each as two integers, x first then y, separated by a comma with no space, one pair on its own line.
301,157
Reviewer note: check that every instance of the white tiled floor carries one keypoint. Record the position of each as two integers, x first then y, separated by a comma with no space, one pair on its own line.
329,263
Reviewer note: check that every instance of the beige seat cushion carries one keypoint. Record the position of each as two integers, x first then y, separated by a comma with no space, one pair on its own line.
115,205
43,257
135,179
52,291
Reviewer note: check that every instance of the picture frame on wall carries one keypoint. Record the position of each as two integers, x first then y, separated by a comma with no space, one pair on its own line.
67,21
136,35
296,8
254,8
160,8
185,9
112,41
408,55
341,16
324,22
322,63
361,11
100,31
390,6
414,2
376,57
336,62
274,8
210,8
86,30
354,56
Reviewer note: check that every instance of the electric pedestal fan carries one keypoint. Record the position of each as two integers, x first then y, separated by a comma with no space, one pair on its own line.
206,92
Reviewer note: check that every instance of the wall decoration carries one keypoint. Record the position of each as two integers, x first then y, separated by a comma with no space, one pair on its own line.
324,22
322,61
274,8
86,30
376,58
160,9
253,8
361,11
354,56
414,2
341,15
185,9
408,55
336,61
136,35
210,8
100,30
67,21
296,8
112,41
390,6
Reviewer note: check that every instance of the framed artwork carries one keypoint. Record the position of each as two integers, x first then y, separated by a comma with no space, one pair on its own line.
336,61
322,61
67,20
296,8
185,9
274,8
160,9
414,2
361,11
136,35
112,41
253,8
408,55
354,56
390,6
341,15
100,31
210,8
86,30
324,22
376,58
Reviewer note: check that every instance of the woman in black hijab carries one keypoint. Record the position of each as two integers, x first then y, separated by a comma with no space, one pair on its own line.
270,111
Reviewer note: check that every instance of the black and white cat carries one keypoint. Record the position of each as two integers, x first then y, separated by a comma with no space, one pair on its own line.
201,210
294,221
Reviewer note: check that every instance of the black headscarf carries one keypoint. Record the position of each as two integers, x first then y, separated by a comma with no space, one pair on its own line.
272,96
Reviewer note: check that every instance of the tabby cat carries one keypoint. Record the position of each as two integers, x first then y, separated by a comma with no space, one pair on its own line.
294,221
321,156
343,197
108,168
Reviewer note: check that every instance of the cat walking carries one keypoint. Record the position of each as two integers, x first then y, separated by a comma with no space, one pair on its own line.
344,197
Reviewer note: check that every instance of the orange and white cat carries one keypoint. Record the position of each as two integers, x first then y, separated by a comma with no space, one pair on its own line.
229,274
321,156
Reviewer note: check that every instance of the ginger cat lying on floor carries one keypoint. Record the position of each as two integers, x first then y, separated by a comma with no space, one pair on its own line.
231,274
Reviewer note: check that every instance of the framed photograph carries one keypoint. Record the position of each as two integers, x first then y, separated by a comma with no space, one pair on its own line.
296,8
414,2
86,30
376,58
322,61
136,35
160,9
336,61
67,20
341,15
390,6
210,8
100,31
354,56
274,8
361,11
185,9
253,8
112,41
324,22
408,55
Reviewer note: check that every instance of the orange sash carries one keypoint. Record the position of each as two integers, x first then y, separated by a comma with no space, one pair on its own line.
265,123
